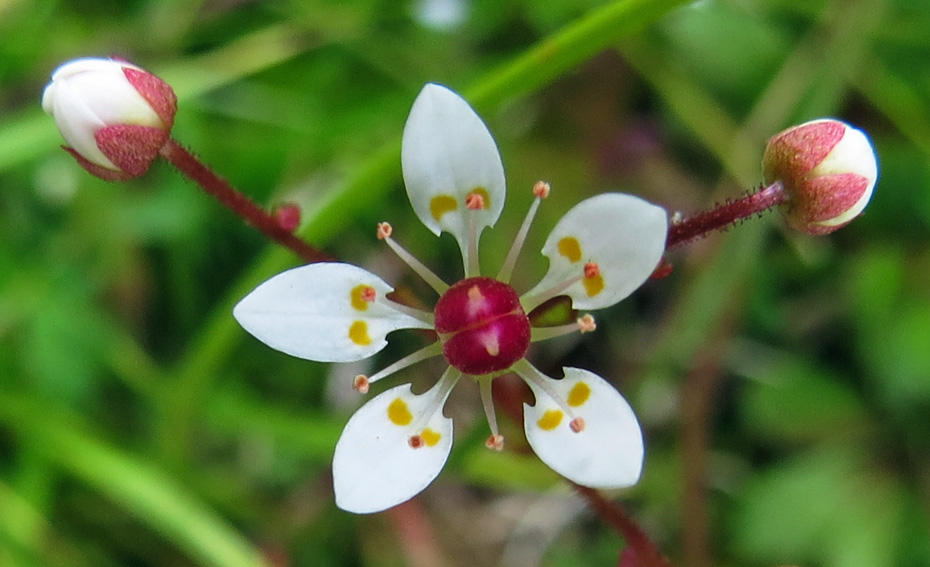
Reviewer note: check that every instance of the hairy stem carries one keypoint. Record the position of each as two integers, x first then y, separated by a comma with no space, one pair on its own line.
719,218
242,206
647,554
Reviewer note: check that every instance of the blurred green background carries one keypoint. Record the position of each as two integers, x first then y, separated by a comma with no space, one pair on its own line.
783,380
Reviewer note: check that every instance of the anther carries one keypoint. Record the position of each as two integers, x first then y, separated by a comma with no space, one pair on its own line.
586,323
361,383
591,270
541,189
576,425
495,442
416,441
474,202
384,230
369,294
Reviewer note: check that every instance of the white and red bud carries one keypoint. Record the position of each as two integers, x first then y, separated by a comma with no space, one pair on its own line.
114,116
828,170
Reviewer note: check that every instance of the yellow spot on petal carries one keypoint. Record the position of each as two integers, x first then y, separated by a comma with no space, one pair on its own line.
442,204
358,295
579,394
550,420
570,248
399,413
358,333
485,196
430,437
593,286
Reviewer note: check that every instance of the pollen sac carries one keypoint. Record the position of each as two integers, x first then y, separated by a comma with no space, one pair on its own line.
482,326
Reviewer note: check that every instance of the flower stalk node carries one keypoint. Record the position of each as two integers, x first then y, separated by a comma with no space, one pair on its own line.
288,216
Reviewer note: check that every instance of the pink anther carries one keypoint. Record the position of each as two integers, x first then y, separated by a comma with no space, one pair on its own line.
495,442
577,425
591,270
586,323
361,384
541,189
384,230
474,201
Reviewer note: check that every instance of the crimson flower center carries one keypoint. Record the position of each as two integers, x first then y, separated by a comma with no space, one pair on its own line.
482,326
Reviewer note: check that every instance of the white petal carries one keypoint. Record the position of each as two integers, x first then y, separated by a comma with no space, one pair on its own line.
309,312
374,466
853,154
447,154
88,94
623,234
607,453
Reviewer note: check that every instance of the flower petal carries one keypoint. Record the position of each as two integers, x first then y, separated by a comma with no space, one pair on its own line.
447,154
375,466
318,312
607,453
623,234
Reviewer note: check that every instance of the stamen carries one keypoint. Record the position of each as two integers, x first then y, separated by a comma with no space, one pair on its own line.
532,302
384,233
591,270
496,440
536,379
361,384
441,391
416,441
541,190
586,324
473,202
369,294
430,351
419,314
384,230
577,425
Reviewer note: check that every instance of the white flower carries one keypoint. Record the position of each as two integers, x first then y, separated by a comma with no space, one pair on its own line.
115,116
396,444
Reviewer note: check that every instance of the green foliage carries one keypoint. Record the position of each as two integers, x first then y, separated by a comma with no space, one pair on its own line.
140,426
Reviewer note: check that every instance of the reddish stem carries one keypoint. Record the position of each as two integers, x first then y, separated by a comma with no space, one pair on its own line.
258,218
718,218
645,552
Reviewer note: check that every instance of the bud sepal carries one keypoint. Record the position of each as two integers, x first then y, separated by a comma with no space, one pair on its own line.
114,116
828,170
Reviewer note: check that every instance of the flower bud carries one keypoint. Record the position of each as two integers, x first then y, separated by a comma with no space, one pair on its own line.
828,170
114,116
